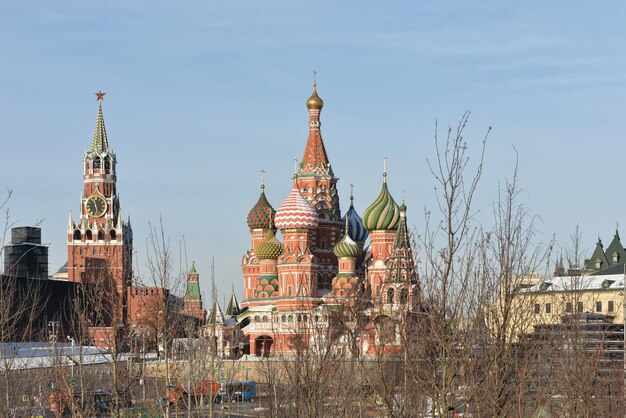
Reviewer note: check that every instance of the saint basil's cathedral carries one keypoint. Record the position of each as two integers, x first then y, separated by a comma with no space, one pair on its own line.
324,264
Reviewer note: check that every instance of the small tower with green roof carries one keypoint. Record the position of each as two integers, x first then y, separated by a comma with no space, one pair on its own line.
192,303
346,250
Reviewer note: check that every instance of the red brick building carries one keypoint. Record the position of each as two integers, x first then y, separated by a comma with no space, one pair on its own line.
100,247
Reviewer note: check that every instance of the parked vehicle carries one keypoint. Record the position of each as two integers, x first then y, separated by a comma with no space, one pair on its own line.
237,391
177,394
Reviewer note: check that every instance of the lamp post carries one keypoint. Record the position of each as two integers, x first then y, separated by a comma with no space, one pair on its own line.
71,339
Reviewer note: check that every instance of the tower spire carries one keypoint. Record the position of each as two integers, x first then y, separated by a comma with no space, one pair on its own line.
315,159
100,142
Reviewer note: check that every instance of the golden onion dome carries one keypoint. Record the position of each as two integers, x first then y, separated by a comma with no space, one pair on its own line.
315,101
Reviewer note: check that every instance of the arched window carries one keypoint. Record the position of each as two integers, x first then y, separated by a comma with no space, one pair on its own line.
77,234
89,235
283,318
100,236
290,318
113,235
107,165
404,296
96,163
265,318
390,293
257,318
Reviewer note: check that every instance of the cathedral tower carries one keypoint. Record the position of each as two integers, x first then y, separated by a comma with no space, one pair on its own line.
260,221
381,219
318,185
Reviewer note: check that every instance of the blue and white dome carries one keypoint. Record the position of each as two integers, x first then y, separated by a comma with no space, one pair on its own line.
356,230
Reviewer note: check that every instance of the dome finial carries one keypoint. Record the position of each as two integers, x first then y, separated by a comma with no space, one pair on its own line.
314,102
384,169
262,180
351,194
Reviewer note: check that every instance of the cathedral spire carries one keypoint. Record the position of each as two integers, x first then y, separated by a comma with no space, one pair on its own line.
315,159
100,142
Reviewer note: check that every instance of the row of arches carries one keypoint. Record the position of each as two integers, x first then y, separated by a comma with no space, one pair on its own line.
89,235
393,296
105,164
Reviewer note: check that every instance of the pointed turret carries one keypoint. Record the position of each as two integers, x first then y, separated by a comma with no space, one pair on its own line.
401,266
315,159
100,144
216,316
615,253
598,260
233,306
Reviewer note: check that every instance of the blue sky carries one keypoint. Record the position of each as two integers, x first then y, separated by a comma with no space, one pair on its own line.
203,95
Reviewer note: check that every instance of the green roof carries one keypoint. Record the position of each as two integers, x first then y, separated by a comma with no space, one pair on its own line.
100,142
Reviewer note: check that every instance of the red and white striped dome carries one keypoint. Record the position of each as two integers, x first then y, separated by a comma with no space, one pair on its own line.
296,212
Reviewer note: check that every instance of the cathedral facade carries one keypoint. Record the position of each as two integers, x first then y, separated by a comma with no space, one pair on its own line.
328,268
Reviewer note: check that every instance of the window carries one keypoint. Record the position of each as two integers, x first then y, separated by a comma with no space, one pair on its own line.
265,318
390,293
598,306
537,308
290,318
548,308
611,306
568,307
579,307
283,318
615,258
404,296
257,318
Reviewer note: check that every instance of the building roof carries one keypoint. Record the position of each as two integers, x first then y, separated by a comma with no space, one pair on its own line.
384,213
356,228
296,212
579,283
262,213
99,143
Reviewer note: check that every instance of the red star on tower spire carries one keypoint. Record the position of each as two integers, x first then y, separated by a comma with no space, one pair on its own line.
100,95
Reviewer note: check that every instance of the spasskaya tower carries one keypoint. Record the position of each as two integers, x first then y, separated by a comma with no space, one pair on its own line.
99,244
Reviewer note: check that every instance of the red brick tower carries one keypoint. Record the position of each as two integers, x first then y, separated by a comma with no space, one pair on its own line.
260,221
381,219
400,289
297,266
192,303
99,245
318,185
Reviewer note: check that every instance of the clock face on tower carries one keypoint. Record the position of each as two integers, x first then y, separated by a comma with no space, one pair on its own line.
96,206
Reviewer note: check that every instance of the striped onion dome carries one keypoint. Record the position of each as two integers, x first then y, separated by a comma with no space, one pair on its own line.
270,248
261,214
346,247
296,212
355,224
383,214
